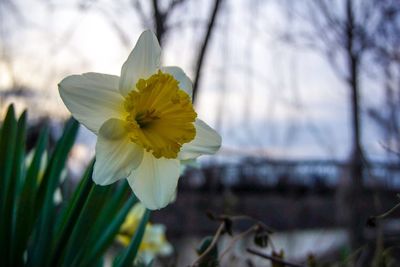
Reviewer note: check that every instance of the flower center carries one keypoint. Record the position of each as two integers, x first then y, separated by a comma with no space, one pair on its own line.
160,115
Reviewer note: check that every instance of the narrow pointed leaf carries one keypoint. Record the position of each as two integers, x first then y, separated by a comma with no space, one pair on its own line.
107,237
7,146
57,162
14,184
128,256
70,215
26,200
82,231
44,206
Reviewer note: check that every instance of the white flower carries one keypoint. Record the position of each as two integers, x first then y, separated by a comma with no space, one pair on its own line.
144,121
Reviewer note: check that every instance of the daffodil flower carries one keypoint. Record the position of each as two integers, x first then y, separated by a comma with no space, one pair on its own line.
154,240
144,121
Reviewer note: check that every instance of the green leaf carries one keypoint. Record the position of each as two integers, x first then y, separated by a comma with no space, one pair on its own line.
107,235
26,201
70,215
116,202
57,163
83,229
14,183
19,155
7,147
128,256
44,206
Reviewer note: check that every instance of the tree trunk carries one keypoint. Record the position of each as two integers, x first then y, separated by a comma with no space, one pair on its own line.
159,22
356,221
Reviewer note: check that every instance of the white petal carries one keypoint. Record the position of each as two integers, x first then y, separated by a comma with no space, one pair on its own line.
206,142
142,62
184,81
92,98
116,155
155,180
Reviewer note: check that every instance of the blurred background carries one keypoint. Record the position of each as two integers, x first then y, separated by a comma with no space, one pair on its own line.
305,93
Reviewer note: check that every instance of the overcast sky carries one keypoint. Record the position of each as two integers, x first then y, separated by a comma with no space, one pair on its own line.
265,97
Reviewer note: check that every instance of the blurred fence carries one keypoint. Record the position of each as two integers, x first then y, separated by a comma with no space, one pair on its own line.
285,195
258,174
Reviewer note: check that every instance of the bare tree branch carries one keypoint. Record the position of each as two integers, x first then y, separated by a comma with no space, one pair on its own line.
273,259
204,46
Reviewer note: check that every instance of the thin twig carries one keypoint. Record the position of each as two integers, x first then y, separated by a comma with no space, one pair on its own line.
211,246
236,238
272,258
387,213
389,149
